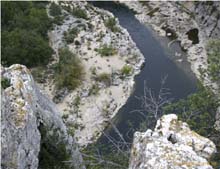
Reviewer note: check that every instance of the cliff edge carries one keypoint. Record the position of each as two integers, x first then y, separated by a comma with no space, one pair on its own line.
171,145
28,118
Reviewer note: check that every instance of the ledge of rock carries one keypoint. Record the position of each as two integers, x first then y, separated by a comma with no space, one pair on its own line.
171,145
24,111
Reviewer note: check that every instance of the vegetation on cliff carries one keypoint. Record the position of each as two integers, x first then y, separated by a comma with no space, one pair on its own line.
24,33
69,70
213,51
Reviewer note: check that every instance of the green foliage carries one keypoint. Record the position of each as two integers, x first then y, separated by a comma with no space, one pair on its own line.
71,35
39,74
213,50
77,12
94,90
5,82
69,70
111,24
126,70
77,101
104,78
198,110
109,157
25,47
58,20
53,152
24,33
55,10
106,50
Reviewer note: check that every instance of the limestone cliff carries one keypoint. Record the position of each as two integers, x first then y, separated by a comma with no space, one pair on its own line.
171,145
25,113
207,15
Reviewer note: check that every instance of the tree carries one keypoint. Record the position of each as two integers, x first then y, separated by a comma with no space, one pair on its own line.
24,47
213,51
24,33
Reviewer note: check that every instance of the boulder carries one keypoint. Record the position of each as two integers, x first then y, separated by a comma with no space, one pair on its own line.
171,145
26,112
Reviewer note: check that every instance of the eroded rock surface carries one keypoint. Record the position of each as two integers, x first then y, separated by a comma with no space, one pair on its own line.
24,109
208,16
171,145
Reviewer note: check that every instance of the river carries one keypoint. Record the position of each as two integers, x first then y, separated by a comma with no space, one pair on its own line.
160,62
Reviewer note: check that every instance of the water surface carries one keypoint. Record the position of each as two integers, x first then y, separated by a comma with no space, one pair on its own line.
160,61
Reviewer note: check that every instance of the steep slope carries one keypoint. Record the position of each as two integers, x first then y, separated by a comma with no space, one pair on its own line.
26,112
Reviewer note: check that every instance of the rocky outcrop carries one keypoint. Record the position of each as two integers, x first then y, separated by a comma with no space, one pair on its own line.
171,145
207,14
24,109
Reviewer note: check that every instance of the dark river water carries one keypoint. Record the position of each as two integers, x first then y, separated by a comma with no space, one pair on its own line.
160,61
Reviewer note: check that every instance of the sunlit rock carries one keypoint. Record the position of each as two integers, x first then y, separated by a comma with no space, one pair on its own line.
171,145
24,109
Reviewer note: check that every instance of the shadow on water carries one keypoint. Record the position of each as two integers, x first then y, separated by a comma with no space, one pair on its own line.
160,61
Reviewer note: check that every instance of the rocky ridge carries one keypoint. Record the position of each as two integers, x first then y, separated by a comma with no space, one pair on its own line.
171,145
24,111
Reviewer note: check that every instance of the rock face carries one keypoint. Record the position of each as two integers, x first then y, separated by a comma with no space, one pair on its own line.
208,15
24,109
171,145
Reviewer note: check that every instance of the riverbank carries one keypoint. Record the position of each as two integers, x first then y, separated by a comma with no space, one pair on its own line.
192,26
169,19
88,109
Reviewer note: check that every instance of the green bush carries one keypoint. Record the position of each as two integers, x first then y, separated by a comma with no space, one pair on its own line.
126,70
104,78
39,74
53,152
25,47
106,50
5,83
76,11
110,157
24,33
55,10
111,24
71,35
79,13
94,89
69,70
58,20
213,51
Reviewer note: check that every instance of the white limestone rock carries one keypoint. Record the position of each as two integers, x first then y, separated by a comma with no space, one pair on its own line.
24,109
171,145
